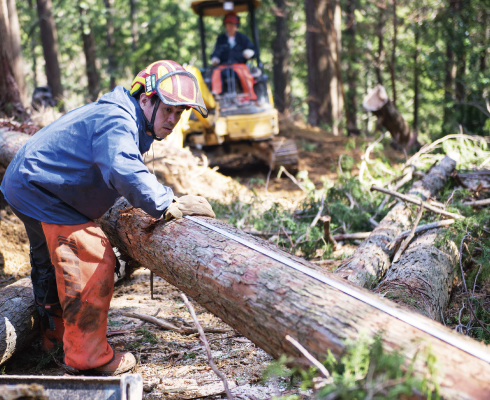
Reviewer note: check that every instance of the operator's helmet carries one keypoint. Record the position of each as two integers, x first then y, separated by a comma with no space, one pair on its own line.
231,18
172,83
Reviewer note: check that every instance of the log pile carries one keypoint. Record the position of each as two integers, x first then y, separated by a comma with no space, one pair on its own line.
265,300
369,263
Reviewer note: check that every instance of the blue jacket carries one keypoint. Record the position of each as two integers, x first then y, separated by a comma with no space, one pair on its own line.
226,55
73,170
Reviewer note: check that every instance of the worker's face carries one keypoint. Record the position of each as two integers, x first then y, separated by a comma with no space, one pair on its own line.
165,120
231,29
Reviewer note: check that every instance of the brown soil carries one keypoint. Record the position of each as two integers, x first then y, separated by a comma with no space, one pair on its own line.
175,365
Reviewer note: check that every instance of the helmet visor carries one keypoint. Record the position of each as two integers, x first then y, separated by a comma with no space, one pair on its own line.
180,88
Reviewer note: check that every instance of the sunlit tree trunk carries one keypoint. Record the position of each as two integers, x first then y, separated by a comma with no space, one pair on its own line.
351,98
49,41
109,5
280,48
323,48
10,100
15,45
89,50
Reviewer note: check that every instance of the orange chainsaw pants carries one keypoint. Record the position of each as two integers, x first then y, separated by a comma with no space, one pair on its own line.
84,263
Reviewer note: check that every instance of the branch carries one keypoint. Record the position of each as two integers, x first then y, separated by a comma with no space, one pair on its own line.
477,203
413,200
167,325
307,354
282,169
411,234
419,229
206,344
352,236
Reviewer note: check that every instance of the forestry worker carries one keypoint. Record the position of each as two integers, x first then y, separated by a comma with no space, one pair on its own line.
69,174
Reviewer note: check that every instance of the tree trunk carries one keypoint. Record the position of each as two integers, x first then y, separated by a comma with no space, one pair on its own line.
109,5
379,104
381,51
367,266
352,70
19,322
415,124
49,41
134,33
422,279
312,56
265,300
280,48
15,46
10,100
393,55
10,143
89,50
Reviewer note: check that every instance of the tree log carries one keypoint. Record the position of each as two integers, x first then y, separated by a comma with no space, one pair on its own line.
266,300
19,320
10,143
367,266
379,104
422,278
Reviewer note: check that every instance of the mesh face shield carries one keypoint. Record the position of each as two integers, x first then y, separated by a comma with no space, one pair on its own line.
177,88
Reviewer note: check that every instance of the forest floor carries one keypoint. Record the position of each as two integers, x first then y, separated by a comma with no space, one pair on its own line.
175,366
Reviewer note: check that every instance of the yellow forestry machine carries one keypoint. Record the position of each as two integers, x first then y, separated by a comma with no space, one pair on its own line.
240,127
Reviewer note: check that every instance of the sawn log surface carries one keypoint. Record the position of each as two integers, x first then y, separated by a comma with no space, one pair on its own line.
266,300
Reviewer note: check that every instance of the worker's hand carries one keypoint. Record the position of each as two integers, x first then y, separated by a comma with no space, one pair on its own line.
215,61
248,53
189,205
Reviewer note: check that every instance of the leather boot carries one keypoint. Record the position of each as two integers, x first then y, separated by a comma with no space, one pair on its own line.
121,362
52,338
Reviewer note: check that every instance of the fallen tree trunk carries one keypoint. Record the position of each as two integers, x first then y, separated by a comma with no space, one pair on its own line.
10,143
19,320
367,266
266,300
422,279
389,117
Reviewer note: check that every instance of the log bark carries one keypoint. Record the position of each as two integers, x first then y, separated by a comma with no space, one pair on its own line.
19,320
367,266
422,279
10,143
265,300
389,117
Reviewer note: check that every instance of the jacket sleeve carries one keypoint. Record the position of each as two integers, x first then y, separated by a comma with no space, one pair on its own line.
218,48
246,42
115,152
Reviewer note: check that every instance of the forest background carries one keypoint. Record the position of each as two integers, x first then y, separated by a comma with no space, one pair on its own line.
322,55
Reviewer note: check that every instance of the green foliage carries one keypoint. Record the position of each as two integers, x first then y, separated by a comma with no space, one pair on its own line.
347,202
146,337
366,370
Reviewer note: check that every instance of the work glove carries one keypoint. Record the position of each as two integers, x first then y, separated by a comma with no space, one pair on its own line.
189,205
215,61
248,53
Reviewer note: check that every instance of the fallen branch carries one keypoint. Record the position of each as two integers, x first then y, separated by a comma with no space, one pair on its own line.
282,169
326,231
477,203
307,354
206,345
419,229
168,326
414,200
410,235
352,236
